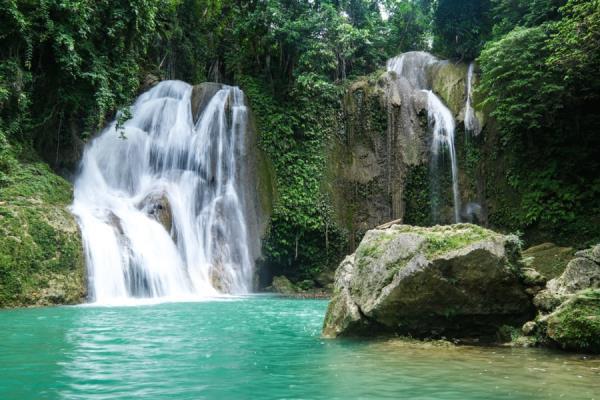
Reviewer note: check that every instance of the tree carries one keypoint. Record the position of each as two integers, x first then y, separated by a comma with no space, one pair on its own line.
461,27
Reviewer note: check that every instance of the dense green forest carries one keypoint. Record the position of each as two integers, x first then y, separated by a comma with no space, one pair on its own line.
66,67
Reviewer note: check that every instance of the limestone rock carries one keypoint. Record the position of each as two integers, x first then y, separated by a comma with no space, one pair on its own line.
547,301
201,95
581,273
533,278
592,253
456,281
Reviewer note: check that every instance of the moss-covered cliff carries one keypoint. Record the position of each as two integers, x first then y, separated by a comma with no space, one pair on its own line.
41,254
381,170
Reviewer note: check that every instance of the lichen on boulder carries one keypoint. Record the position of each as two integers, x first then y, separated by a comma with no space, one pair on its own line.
454,281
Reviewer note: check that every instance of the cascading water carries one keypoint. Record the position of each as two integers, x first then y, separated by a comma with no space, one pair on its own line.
413,67
160,209
442,125
471,122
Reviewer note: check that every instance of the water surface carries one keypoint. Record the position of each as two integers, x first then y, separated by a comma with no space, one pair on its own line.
257,347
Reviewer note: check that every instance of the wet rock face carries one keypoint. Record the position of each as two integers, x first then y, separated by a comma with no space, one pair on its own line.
385,135
157,206
201,95
455,281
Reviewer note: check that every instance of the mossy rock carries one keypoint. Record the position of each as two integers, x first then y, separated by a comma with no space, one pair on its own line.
448,80
548,259
575,325
458,281
41,256
282,285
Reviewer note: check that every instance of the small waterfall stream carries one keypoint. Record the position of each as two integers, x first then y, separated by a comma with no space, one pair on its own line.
443,126
471,122
413,67
159,201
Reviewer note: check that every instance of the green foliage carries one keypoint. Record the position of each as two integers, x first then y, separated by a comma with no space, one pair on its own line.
418,197
575,49
303,239
69,64
522,93
461,27
508,14
540,84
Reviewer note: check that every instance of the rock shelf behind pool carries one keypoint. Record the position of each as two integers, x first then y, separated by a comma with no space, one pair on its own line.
459,281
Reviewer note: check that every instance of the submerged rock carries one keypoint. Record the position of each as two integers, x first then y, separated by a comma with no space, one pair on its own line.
453,281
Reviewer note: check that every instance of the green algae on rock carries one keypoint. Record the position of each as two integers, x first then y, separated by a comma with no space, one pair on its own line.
575,324
41,256
454,281
548,258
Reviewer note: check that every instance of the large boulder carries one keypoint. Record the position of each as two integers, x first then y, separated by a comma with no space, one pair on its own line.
455,281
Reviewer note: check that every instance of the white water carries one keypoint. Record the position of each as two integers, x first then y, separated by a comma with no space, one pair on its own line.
413,67
166,162
443,126
471,122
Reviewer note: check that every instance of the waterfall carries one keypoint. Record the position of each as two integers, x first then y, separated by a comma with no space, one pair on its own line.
159,200
443,126
471,122
413,66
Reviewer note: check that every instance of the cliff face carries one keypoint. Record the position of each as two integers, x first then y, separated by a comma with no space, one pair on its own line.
380,167
384,140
